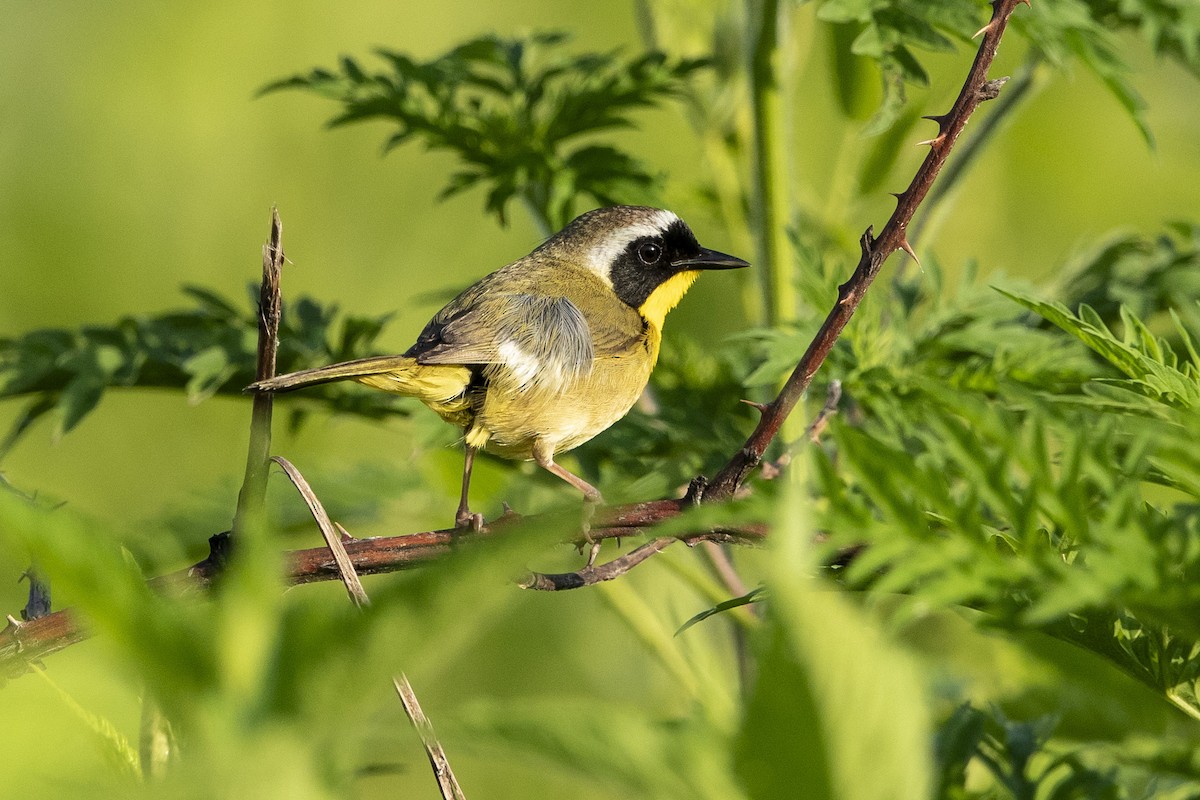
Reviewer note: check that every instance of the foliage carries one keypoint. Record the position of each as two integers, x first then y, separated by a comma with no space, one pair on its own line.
206,350
521,114
890,32
980,583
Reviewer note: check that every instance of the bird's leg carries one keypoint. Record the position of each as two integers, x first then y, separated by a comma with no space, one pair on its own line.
591,496
463,518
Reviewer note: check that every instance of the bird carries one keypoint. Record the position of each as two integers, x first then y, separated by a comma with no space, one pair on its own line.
545,353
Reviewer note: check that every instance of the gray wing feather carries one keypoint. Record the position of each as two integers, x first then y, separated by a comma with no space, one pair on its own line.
539,340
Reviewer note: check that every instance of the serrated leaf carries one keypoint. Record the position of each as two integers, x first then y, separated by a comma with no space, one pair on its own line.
513,110
80,395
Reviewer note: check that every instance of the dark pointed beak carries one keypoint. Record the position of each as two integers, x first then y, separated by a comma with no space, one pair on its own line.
710,259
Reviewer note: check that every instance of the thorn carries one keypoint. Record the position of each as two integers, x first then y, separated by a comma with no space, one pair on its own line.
940,119
346,537
930,142
982,31
906,247
13,623
761,408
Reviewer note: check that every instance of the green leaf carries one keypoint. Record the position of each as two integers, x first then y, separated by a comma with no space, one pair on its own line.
521,115
835,712
209,370
755,596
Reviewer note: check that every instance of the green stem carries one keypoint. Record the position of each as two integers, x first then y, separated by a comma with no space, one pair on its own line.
770,200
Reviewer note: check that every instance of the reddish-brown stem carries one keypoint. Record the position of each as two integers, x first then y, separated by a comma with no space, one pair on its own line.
875,250
22,643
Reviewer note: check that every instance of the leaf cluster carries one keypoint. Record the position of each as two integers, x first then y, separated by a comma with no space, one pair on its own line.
522,115
892,34
208,349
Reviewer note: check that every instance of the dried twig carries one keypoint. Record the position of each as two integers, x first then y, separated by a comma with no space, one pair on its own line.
832,398
270,305
875,250
589,576
333,539
442,773
447,783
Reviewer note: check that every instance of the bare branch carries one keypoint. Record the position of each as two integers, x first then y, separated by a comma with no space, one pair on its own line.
333,538
875,250
589,576
270,309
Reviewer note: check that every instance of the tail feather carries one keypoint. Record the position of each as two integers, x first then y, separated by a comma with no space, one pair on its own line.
359,368
442,387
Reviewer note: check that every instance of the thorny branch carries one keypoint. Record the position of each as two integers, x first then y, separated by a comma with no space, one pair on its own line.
875,250
23,642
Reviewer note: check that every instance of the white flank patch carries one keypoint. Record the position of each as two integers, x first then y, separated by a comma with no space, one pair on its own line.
524,367
601,256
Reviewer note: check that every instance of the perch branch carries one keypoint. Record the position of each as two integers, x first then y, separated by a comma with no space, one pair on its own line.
875,250
22,643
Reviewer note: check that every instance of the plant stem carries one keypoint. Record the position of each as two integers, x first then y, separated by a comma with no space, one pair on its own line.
771,207
875,250
254,485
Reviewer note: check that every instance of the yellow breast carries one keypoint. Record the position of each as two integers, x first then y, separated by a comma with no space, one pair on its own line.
666,296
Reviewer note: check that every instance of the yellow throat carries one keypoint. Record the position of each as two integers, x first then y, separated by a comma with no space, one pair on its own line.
666,296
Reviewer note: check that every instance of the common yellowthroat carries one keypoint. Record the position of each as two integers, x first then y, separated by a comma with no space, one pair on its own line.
543,354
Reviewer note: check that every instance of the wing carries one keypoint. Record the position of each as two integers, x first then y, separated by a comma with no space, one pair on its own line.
541,341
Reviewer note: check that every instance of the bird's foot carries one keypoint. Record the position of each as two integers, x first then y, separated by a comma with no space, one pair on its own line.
466,520
590,502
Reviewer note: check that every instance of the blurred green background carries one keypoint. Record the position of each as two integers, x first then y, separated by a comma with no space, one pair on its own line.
135,158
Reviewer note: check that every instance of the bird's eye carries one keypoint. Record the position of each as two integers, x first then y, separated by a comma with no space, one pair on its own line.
650,253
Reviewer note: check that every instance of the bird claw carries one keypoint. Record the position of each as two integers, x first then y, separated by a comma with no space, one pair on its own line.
468,521
592,545
593,551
